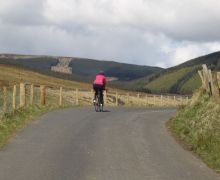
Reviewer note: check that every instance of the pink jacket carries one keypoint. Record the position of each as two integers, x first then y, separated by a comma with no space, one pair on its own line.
100,79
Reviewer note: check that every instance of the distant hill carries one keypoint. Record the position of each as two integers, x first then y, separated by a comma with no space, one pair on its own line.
83,69
10,75
181,79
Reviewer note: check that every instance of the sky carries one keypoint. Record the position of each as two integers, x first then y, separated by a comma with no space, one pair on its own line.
147,32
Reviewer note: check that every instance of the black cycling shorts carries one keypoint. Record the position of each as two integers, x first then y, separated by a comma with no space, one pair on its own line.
98,87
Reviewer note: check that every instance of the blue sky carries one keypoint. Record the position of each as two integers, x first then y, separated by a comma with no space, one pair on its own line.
157,33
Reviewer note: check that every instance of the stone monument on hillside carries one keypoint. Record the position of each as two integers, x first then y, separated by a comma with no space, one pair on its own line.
63,66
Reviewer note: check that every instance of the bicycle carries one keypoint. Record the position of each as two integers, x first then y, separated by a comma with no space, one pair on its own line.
98,103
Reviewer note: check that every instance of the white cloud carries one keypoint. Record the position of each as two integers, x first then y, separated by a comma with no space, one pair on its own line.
198,19
22,12
189,50
159,32
184,53
214,46
161,64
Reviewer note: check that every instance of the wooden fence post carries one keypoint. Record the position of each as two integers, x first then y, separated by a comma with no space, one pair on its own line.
218,80
168,100
61,96
116,98
146,100
5,99
161,100
154,100
138,99
202,79
92,96
105,97
77,96
215,85
22,95
42,95
174,100
127,99
14,98
205,76
32,95
210,82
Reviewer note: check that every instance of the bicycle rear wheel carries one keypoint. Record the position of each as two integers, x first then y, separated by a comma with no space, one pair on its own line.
97,104
101,108
100,102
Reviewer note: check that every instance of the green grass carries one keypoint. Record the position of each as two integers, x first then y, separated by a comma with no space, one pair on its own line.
167,81
198,127
12,122
193,83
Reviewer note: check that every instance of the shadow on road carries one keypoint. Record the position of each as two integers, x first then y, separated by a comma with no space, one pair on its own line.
106,111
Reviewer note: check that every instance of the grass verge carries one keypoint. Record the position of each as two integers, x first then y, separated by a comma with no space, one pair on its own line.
12,122
197,127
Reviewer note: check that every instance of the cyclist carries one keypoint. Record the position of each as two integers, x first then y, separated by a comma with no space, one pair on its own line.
99,85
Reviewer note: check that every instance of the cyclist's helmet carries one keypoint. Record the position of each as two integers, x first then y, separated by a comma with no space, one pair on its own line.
102,72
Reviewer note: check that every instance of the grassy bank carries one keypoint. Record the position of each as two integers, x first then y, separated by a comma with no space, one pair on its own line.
197,126
12,122
13,75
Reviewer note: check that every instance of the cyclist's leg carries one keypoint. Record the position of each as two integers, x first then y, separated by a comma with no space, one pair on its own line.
102,99
96,91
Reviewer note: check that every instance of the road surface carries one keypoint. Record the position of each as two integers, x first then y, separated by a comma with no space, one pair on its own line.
79,144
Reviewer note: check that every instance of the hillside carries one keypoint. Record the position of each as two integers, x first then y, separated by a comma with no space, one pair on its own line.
83,70
197,125
183,78
10,74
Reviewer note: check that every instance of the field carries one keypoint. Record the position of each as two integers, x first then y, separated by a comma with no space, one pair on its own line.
170,82
73,93
13,75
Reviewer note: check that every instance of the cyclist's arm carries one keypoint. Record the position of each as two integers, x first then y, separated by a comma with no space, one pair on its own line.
104,83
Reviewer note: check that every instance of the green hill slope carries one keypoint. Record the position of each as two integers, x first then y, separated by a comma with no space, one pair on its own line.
170,82
183,78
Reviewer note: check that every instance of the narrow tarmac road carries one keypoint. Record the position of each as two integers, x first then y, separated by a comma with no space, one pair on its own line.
79,144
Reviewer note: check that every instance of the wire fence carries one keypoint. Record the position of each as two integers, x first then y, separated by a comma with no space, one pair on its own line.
24,95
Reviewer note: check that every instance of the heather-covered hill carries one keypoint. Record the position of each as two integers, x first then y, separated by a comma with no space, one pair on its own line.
83,69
